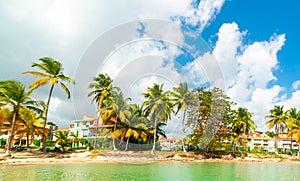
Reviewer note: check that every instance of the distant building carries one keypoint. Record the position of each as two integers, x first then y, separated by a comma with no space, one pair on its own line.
261,140
170,144
87,127
286,142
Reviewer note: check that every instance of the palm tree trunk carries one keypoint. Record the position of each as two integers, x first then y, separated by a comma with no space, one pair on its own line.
46,115
12,133
96,132
183,131
153,148
27,140
127,144
299,149
113,139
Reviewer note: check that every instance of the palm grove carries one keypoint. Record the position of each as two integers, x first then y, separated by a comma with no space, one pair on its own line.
207,114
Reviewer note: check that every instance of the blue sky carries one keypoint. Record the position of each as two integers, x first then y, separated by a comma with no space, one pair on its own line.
262,19
254,43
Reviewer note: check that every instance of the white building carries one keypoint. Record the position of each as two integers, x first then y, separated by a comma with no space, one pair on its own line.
285,142
87,127
261,140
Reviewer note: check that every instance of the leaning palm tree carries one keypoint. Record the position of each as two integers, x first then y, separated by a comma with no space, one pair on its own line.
158,107
101,90
182,98
14,96
277,119
51,72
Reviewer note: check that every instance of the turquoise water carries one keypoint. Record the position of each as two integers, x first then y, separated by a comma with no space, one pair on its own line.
155,171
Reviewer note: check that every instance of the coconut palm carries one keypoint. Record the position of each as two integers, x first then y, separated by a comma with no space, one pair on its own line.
14,96
242,122
277,119
51,72
293,126
62,139
101,90
182,98
158,107
29,124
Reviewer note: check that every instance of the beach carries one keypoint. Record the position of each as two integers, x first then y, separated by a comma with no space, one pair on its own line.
35,157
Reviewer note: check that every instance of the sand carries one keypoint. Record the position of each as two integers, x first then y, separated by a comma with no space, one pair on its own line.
37,157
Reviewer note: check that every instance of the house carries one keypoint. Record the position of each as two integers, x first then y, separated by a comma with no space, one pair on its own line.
170,144
285,142
259,139
87,127
19,137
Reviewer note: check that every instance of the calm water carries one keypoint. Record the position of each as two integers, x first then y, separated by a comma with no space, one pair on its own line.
156,171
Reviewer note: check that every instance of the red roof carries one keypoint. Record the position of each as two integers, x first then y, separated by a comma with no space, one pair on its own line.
283,137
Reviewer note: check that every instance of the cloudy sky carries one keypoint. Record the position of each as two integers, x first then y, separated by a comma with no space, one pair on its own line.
248,48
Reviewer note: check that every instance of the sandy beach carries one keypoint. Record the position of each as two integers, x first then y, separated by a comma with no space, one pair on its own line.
37,157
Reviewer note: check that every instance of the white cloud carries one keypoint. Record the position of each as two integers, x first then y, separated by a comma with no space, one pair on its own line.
54,104
296,85
226,50
203,14
262,101
256,65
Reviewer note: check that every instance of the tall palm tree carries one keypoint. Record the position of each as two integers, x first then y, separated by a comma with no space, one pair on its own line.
101,90
182,98
158,107
293,126
14,95
277,119
51,72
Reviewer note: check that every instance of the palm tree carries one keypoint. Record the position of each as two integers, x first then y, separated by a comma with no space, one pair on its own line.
118,109
52,72
277,119
14,95
101,90
242,122
158,107
29,125
182,98
293,126
62,139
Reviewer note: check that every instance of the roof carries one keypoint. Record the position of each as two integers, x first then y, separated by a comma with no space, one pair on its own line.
63,129
86,118
260,136
284,137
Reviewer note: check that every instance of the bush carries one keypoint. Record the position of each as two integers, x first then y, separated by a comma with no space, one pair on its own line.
37,142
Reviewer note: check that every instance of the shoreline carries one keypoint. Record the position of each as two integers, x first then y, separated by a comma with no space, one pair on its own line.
25,158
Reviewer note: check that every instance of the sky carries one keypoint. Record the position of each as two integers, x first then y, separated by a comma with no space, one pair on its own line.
248,48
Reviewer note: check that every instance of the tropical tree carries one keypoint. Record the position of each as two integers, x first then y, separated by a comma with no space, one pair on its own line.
182,98
117,112
158,107
14,96
293,126
62,139
51,72
242,122
277,119
101,90
29,125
